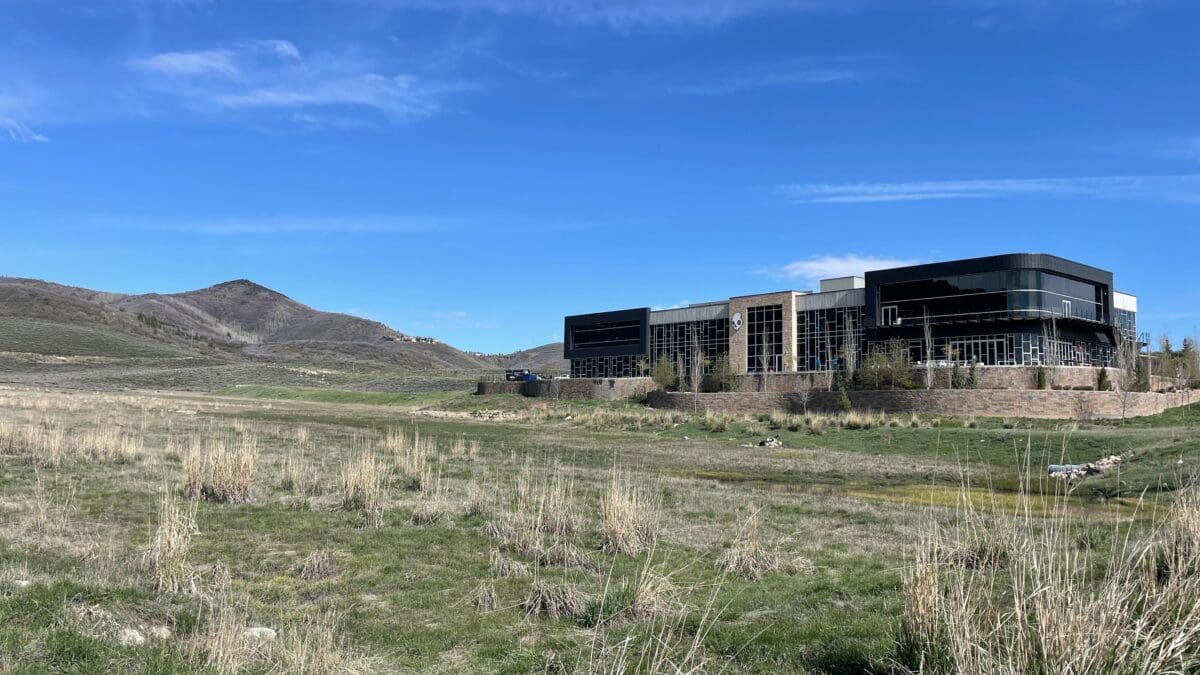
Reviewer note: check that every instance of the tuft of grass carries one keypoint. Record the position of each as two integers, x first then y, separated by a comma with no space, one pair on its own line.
221,470
167,555
750,557
362,488
504,567
630,516
318,565
484,598
554,601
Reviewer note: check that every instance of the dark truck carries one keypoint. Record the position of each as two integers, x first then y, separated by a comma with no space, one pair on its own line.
521,375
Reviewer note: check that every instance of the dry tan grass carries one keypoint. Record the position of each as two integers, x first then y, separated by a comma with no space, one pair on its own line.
362,488
110,444
1046,610
751,557
314,647
554,601
167,555
221,470
412,458
505,567
630,514
484,597
317,566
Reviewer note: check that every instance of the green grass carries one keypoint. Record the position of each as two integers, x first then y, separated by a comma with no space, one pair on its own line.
850,501
338,395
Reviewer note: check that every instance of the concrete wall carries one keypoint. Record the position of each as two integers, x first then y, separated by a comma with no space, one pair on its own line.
605,389
963,402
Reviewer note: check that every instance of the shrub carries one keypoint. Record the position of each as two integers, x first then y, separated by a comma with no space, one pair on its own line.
1041,377
1102,382
663,372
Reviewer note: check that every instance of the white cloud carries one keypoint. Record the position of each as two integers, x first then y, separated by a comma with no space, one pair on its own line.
816,268
1184,188
185,64
20,132
273,74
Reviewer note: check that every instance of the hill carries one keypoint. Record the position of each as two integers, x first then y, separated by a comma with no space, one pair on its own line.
239,325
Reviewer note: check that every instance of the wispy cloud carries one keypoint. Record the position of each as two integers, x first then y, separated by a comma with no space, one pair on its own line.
274,74
1180,188
782,76
812,270
19,132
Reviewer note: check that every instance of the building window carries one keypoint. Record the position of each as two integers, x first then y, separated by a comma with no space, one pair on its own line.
826,339
607,366
672,340
764,339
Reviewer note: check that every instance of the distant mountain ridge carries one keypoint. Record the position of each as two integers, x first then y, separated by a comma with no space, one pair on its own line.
233,320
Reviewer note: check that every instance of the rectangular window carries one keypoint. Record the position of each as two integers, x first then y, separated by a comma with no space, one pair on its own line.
764,339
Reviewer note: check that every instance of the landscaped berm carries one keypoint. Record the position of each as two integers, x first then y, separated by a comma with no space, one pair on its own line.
284,530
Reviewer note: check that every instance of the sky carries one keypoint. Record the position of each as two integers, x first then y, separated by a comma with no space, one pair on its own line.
474,170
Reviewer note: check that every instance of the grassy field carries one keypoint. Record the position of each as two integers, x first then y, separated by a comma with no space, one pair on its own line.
302,530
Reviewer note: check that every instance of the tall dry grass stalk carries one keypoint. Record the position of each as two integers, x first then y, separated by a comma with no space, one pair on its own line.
631,515
362,488
1047,604
221,470
167,554
110,444
412,455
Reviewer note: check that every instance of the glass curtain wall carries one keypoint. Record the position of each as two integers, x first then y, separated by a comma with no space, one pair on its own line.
673,339
764,339
1011,294
821,336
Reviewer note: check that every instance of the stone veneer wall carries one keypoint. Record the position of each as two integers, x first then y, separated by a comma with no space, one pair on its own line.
605,389
990,377
962,402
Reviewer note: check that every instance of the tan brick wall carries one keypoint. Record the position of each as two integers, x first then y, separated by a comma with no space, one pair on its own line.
737,339
604,389
1044,404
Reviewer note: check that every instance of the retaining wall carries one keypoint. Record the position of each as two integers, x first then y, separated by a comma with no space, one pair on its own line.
604,389
960,402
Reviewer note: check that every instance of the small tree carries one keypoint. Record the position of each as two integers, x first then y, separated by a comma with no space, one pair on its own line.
844,403
972,376
804,391
1102,383
663,372
696,367
723,377
957,381
1041,377
928,350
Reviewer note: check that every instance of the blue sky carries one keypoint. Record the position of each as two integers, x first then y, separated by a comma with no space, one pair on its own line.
475,169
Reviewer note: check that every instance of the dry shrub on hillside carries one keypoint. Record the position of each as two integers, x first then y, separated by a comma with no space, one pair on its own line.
1055,607
167,554
631,515
362,488
484,597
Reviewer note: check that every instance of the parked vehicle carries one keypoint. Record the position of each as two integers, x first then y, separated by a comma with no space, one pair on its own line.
521,375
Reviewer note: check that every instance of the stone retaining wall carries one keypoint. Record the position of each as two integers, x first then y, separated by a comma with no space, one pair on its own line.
604,389
963,402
